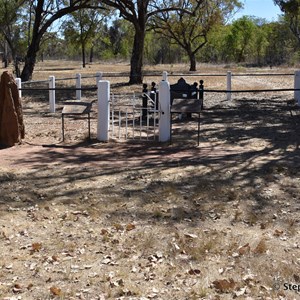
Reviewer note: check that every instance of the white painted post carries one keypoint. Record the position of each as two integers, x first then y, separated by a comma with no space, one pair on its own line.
103,110
78,86
229,85
165,114
165,75
297,86
52,94
98,77
19,85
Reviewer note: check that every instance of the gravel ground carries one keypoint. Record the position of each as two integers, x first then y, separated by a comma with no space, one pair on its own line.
143,220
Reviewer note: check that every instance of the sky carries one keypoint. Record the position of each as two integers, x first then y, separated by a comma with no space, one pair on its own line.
259,8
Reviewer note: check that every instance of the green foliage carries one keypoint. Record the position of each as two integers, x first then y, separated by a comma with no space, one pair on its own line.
11,23
281,44
241,40
114,41
52,46
291,9
252,41
80,30
161,50
288,6
190,31
215,50
172,36
121,38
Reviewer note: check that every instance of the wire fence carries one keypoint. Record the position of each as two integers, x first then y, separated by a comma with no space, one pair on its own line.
129,118
78,88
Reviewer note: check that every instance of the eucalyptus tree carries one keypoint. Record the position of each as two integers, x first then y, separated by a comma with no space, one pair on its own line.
190,31
261,40
241,40
52,45
43,13
291,10
120,37
283,46
10,28
80,29
215,51
139,13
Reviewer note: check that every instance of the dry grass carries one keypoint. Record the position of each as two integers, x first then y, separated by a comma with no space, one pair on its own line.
149,221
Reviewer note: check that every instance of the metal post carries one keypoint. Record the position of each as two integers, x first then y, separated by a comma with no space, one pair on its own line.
103,110
145,101
19,85
201,93
297,86
78,86
52,93
153,95
165,114
229,85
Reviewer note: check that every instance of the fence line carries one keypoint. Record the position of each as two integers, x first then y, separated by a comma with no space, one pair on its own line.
112,75
35,81
99,75
108,75
119,120
59,89
250,91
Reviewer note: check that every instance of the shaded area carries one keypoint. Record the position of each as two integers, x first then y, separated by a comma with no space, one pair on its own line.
246,148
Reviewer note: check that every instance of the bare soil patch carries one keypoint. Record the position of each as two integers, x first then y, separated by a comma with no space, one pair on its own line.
141,220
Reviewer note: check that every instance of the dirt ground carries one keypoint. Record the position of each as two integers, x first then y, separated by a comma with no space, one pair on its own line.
80,219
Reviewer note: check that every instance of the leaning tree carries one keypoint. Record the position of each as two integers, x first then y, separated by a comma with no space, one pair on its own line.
45,13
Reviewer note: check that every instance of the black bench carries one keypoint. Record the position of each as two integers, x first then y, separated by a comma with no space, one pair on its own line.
183,90
187,99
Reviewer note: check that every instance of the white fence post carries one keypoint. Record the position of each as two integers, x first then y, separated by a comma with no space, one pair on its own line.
103,110
165,75
297,86
19,85
52,93
229,85
78,86
98,77
165,114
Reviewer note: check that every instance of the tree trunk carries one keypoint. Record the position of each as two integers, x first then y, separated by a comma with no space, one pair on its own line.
17,67
43,19
136,63
192,58
83,54
30,60
5,56
34,45
14,55
92,54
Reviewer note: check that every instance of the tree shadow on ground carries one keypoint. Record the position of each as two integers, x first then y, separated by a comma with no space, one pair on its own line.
244,147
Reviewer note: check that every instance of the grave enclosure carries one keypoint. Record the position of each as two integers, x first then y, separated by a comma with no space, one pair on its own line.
135,119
